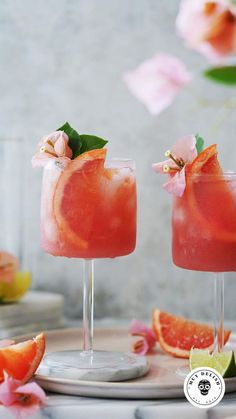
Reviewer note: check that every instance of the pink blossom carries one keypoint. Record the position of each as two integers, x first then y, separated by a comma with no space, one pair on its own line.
52,147
183,151
148,341
21,400
157,81
208,27
8,267
176,184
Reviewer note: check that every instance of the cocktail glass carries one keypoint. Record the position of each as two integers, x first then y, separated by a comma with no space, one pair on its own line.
88,211
204,234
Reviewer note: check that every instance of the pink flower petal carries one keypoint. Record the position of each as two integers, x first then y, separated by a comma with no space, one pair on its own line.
21,400
54,137
185,148
52,147
33,389
157,80
139,328
176,184
61,146
184,151
172,69
7,391
141,347
207,27
41,159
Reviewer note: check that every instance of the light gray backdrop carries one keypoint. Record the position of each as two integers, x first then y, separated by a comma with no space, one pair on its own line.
63,60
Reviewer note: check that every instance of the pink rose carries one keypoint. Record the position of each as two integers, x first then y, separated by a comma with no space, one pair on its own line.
52,147
157,81
208,27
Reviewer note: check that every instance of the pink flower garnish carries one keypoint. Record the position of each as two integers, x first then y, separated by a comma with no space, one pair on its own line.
21,400
208,27
183,151
8,267
157,81
52,147
148,341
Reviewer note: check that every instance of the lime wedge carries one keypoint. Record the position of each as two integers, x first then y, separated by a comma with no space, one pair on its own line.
223,362
12,292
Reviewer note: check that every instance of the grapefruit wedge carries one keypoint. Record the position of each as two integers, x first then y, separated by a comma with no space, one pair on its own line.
177,335
74,201
210,196
21,360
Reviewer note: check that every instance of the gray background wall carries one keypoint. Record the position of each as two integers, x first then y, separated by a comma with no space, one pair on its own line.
63,60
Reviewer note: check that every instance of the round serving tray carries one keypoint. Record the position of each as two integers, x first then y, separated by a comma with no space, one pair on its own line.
163,381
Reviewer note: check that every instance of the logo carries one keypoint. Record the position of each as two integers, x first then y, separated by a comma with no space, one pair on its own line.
204,387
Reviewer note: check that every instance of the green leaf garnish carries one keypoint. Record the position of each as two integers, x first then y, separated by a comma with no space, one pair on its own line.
89,142
80,143
199,143
225,75
74,142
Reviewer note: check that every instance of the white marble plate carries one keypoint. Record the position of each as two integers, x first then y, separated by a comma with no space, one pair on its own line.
162,380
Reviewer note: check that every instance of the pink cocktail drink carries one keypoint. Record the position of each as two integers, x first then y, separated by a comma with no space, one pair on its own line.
204,224
88,207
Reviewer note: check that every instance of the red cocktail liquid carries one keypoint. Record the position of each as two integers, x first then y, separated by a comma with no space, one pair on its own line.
204,224
88,210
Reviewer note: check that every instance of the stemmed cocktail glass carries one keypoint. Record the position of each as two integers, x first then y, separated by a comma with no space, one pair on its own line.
88,211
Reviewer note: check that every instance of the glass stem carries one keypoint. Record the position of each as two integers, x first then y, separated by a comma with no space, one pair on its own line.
219,312
88,303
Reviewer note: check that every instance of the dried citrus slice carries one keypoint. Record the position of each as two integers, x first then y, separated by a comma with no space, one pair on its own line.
73,203
21,360
209,196
177,335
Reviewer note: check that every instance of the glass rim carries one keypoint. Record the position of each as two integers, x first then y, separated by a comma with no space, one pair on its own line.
205,176
112,163
124,162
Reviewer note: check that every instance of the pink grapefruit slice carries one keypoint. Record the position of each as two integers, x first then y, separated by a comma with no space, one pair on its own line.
210,197
74,202
177,335
21,360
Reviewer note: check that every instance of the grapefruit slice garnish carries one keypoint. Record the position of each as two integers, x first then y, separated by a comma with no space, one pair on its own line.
177,335
21,360
73,203
209,196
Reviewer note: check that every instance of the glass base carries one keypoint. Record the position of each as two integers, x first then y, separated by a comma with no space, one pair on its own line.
93,365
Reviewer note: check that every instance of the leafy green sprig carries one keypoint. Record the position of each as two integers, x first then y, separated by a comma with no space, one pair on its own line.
79,143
